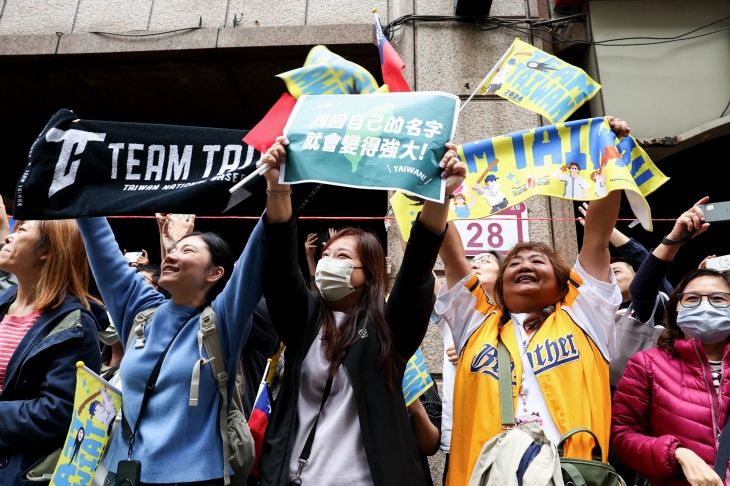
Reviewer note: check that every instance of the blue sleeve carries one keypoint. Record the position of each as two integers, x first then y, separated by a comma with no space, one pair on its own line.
635,254
646,285
125,292
234,306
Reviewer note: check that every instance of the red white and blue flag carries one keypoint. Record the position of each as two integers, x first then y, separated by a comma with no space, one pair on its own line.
390,62
259,420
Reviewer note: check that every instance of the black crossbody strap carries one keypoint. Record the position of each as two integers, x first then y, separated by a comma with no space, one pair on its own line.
723,451
127,431
307,450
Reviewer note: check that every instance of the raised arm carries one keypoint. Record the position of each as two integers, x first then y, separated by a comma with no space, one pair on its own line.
452,249
287,296
4,225
124,291
601,218
237,301
652,273
411,301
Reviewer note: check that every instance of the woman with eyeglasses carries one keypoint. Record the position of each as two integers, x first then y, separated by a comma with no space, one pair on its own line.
672,401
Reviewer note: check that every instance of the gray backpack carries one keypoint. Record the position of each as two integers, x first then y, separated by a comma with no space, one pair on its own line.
238,445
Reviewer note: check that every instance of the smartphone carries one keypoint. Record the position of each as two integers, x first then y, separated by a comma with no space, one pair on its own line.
128,473
323,237
132,256
716,212
721,263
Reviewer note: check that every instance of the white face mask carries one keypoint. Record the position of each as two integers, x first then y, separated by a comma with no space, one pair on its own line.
333,278
710,324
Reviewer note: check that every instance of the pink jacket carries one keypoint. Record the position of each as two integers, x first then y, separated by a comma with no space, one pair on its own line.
663,402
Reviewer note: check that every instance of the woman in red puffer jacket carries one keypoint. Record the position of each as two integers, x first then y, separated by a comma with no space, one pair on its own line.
672,401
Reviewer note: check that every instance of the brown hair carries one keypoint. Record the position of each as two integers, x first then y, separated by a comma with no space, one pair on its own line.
461,195
337,340
66,270
673,331
561,269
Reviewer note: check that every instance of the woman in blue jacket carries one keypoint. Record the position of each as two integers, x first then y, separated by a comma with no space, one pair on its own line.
46,326
178,438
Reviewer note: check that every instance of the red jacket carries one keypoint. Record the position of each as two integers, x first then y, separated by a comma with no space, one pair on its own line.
663,402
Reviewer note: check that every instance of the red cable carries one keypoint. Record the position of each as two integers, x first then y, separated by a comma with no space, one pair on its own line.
383,218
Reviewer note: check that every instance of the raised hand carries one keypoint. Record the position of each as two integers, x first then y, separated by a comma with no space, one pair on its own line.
275,156
310,246
453,169
691,220
619,127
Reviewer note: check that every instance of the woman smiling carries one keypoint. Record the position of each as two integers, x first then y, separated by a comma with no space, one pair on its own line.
557,324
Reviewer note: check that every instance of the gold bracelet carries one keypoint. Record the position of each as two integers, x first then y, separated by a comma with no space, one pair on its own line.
282,194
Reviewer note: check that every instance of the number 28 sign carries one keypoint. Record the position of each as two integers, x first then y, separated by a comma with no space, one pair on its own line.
500,232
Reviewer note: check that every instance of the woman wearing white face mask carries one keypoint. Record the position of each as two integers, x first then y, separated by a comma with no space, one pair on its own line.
340,417
673,400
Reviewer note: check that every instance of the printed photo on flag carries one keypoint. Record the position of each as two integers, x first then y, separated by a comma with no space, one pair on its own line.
96,404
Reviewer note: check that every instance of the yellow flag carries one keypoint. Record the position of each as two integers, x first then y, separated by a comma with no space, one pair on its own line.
580,160
96,404
539,82
326,73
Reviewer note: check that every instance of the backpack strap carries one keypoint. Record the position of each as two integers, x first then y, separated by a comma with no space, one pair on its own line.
140,321
723,451
506,405
209,337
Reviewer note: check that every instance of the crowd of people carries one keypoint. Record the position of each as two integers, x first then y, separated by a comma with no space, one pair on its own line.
527,332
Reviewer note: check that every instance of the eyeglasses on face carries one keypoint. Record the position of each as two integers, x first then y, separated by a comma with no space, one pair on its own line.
721,300
482,260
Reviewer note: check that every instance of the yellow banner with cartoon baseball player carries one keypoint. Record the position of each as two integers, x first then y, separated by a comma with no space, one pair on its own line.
580,160
95,407
539,82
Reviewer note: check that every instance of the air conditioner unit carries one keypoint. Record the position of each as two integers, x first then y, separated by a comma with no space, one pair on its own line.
472,7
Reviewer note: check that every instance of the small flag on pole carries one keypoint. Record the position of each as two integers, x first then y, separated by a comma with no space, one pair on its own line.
539,82
260,418
390,62
96,404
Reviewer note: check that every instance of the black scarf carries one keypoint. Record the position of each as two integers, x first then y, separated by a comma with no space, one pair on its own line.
96,168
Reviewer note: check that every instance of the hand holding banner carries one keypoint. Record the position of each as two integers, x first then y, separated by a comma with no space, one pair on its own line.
416,379
579,160
378,141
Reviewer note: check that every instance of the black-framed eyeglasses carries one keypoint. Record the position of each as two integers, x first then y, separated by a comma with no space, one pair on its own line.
721,300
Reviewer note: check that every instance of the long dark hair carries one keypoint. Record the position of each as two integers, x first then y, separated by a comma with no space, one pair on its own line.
337,340
673,331
220,256
561,269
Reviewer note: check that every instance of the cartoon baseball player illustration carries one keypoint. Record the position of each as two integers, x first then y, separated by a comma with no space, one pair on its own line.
103,411
500,76
492,193
575,186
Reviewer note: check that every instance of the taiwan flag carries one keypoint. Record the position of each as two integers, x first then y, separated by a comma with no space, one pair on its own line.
258,422
390,62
